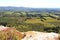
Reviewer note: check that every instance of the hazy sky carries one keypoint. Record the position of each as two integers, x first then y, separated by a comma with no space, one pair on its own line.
31,3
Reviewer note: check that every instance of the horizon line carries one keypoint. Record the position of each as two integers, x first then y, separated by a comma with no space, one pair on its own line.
30,7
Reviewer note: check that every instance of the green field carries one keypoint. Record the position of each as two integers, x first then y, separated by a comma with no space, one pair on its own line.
31,21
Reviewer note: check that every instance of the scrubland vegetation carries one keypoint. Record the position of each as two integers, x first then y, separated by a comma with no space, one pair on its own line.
31,21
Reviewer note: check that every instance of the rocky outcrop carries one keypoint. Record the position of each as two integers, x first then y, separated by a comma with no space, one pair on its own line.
30,35
33,35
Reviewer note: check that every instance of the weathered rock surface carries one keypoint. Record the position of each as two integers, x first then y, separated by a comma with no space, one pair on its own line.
32,35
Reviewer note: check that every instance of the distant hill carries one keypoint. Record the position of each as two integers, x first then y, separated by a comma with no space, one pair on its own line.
8,8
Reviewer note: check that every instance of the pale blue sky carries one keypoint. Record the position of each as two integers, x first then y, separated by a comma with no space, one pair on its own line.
31,3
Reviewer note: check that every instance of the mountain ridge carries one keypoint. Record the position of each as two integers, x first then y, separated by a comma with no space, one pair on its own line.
10,8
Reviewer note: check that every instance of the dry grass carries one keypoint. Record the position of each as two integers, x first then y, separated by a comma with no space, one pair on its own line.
10,34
